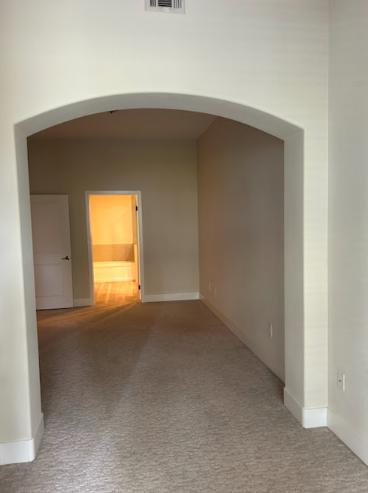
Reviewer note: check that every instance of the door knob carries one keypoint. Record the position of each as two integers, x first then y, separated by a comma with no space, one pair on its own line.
66,258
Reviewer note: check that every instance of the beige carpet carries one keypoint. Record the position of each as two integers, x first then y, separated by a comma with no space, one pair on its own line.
163,398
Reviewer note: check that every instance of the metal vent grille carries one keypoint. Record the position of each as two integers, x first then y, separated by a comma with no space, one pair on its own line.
175,6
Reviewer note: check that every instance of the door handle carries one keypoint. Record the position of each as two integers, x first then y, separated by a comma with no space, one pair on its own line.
65,258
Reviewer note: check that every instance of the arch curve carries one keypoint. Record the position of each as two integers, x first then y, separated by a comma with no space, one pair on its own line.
293,137
159,100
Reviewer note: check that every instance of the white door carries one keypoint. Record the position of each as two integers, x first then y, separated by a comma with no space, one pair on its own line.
52,251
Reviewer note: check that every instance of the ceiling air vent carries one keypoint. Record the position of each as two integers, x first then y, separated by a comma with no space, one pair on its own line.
173,6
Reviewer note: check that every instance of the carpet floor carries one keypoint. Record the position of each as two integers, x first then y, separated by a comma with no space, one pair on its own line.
162,398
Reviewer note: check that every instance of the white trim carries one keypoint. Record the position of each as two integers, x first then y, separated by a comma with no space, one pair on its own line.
225,320
308,417
82,302
293,405
238,332
155,298
89,252
22,451
138,196
315,417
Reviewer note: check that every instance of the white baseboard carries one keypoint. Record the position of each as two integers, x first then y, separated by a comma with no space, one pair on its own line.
154,298
239,334
226,321
82,302
315,417
308,417
349,435
22,451
293,406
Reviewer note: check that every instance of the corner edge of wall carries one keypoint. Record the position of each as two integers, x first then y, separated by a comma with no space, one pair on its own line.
22,450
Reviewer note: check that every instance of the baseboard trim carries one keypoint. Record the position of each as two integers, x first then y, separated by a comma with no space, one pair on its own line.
293,406
308,417
155,298
226,321
23,450
239,334
315,417
78,302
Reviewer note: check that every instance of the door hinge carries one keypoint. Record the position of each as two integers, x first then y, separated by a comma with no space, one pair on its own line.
136,208
139,287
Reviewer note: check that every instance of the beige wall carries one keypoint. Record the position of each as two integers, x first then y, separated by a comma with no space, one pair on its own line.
165,173
348,224
111,219
67,62
241,194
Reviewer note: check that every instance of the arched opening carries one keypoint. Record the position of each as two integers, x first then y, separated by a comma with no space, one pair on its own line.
293,220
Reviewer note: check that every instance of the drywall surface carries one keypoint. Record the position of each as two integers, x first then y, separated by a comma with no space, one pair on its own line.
348,224
111,219
55,54
166,174
241,218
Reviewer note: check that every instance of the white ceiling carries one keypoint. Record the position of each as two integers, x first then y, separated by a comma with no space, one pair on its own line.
137,124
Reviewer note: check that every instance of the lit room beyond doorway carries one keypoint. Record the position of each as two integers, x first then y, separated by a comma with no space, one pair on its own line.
114,234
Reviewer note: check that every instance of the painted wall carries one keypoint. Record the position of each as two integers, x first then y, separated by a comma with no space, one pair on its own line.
111,217
241,218
113,225
58,53
166,174
348,229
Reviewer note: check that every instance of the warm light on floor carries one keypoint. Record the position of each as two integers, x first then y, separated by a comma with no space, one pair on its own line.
116,293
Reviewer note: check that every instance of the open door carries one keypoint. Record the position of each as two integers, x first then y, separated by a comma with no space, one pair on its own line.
114,229
52,251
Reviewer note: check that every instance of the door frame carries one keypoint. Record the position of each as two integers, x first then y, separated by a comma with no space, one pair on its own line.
140,265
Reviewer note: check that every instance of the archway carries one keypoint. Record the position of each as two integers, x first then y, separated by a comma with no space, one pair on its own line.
293,241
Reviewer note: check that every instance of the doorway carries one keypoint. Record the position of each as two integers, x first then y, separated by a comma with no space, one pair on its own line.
115,247
24,392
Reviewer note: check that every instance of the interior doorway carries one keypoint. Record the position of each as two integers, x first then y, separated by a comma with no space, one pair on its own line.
115,247
23,396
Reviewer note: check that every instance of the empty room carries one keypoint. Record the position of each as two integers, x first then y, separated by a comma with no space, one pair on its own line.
184,252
